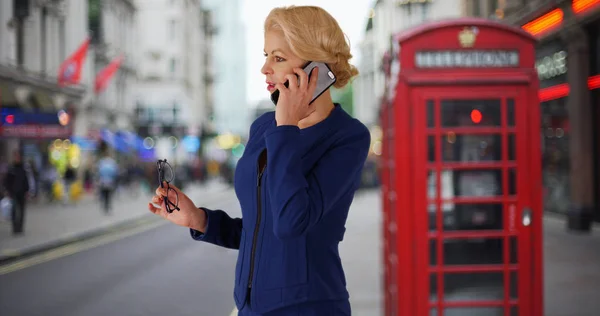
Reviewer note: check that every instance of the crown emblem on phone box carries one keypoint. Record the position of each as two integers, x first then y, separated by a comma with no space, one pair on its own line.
467,36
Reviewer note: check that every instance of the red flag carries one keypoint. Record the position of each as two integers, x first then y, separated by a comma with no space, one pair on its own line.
105,74
69,72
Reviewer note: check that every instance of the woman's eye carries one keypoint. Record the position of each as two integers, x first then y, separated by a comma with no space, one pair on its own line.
279,59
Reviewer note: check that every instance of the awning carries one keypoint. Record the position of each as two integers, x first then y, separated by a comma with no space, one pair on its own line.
43,100
59,100
7,95
30,96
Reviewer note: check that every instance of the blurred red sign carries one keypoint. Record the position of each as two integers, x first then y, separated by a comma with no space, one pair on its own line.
35,131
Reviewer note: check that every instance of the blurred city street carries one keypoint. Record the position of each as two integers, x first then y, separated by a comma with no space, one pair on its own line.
483,117
51,224
159,270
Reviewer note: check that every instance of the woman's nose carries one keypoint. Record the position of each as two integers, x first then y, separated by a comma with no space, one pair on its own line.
265,70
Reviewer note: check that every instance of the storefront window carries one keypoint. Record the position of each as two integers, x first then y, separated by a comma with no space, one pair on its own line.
555,155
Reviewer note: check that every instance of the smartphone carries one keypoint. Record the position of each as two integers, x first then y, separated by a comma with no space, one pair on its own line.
326,79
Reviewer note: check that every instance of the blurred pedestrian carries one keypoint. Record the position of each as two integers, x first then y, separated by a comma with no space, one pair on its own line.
48,178
88,178
69,178
33,178
16,185
295,181
108,171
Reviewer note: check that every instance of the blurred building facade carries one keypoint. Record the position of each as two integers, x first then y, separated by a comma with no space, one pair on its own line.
113,33
389,17
231,111
174,103
35,38
208,59
568,64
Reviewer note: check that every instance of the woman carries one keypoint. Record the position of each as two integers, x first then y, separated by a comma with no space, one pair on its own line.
295,181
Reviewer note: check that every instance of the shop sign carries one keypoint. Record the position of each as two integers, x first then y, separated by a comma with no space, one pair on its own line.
35,131
552,66
551,63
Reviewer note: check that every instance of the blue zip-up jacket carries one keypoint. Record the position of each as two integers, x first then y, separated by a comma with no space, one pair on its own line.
294,215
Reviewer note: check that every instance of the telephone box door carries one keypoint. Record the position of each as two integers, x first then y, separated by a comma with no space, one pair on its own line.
473,205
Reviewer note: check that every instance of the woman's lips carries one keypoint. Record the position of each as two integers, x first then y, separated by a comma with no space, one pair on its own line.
270,87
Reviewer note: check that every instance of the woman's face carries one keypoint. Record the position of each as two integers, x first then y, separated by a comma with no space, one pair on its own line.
279,59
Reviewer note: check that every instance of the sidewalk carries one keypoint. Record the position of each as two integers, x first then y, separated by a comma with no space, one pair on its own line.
52,225
571,270
361,254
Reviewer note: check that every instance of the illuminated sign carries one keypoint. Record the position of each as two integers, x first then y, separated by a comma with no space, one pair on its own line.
552,66
467,59
544,23
18,116
580,6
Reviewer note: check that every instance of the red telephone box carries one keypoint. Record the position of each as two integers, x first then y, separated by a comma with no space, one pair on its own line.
461,173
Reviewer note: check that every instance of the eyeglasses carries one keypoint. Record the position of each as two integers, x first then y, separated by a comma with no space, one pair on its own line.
166,175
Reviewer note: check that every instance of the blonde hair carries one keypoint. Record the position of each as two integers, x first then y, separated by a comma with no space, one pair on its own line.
314,35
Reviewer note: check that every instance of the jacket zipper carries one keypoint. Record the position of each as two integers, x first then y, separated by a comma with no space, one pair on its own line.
258,218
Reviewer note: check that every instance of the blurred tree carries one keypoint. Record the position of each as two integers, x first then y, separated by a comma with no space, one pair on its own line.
345,97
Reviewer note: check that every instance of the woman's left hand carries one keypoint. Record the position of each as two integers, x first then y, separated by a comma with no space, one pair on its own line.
292,105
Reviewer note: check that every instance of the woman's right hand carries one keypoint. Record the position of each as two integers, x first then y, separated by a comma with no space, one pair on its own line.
187,216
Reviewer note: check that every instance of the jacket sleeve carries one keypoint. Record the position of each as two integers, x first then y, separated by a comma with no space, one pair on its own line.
221,230
298,202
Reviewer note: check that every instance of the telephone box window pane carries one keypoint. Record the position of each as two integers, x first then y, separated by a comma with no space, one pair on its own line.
512,181
474,286
471,148
480,216
514,251
514,285
514,311
446,194
447,187
433,297
512,147
474,311
477,183
464,113
430,113
467,184
473,251
510,112
432,252
431,148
